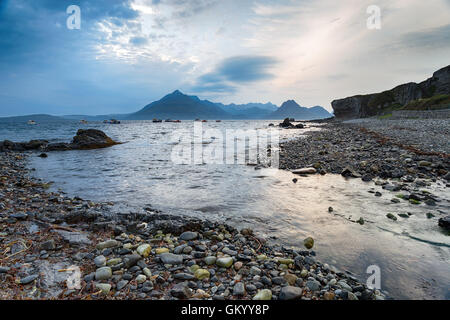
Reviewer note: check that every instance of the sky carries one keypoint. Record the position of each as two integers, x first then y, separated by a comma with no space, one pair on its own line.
128,53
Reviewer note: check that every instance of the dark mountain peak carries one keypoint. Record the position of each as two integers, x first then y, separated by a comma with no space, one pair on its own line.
290,104
177,93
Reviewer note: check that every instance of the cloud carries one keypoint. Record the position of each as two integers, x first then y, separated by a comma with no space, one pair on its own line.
234,71
246,68
430,38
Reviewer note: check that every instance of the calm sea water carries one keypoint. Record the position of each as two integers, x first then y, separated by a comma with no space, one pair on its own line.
413,254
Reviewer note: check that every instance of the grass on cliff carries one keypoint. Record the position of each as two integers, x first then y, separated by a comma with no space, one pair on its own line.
434,103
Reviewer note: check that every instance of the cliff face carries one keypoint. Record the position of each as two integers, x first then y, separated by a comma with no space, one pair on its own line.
362,106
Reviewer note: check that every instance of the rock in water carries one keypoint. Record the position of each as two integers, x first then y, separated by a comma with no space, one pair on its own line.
445,222
286,123
305,171
290,293
350,172
91,139
309,243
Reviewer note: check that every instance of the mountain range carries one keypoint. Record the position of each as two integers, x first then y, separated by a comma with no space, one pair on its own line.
179,106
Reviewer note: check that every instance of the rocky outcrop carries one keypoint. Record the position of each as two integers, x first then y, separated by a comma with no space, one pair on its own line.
362,106
84,140
91,139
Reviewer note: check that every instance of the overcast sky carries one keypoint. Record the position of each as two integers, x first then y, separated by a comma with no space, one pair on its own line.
130,53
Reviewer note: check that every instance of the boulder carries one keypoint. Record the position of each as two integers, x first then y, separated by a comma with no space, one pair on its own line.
91,139
445,222
350,172
286,123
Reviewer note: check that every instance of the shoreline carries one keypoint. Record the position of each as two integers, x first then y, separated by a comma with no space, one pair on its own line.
44,235
48,232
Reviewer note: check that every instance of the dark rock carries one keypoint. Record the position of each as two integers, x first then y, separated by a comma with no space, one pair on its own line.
445,222
131,260
350,172
286,123
48,245
181,291
29,279
91,139
290,293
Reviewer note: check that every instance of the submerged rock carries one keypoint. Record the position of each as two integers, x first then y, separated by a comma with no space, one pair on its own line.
445,222
309,243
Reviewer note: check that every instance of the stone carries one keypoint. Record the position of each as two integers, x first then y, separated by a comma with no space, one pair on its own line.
238,265
48,245
161,250
108,244
264,294
210,260
239,289
313,285
181,291
105,288
141,278
202,274
100,261
255,271
444,222
424,163
305,171
131,260
391,216
170,258
308,243
285,261
344,286
121,284
144,250
147,272
328,296
29,279
103,273
290,293
4,269
19,215
188,236
350,172
291,279
184,276
351,296
91,139
224,262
